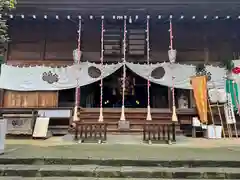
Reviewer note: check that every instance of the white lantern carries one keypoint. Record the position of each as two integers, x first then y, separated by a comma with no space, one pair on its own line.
213,95
77,55
222,95
217,95
172,54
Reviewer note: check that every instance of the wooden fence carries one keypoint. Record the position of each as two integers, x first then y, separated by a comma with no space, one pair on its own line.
91,132
159,133
152,132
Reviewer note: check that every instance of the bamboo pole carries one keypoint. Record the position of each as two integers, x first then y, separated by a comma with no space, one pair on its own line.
237,104
228,126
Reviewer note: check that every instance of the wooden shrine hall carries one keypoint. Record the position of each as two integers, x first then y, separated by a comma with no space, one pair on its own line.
112,70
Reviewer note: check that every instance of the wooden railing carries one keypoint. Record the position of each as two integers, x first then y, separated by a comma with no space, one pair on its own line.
159,133
91,132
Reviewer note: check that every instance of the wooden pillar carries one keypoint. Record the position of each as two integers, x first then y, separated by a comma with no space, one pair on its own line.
169,98
206,55
191,99
206,48
44,43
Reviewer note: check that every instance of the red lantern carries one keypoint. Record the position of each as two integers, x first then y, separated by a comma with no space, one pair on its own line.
236,70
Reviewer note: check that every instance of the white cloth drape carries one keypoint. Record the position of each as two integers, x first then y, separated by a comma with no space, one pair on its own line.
30,78
182,74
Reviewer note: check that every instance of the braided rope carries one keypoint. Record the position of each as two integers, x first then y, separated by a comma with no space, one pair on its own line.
101,59
171,48
124,61
77,92
148,60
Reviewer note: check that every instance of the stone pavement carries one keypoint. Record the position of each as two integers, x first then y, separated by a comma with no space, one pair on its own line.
190,149
61,159
79,178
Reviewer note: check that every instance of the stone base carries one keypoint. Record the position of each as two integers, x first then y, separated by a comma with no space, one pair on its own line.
115,172
123,125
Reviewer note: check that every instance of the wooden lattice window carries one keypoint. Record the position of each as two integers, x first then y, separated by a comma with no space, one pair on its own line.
112,42
136,42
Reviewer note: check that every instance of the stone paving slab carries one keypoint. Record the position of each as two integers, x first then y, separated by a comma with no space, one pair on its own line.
84,178
119,162
118,172
132,152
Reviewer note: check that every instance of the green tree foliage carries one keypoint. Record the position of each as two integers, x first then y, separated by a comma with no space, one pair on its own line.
228,65
5,7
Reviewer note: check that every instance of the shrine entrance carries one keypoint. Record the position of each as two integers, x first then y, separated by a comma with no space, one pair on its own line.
135,93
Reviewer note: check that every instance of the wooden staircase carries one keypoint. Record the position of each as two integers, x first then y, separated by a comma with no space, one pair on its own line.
136,117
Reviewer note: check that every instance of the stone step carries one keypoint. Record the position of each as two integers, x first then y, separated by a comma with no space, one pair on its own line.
78,178
118,172
120,162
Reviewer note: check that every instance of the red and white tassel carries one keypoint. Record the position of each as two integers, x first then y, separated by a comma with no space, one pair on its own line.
101,84
149,117
174,113
77,90
122,118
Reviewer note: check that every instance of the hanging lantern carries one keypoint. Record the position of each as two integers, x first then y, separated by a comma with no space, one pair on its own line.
76,55
222,96
172,54
217,95
213,95
236,70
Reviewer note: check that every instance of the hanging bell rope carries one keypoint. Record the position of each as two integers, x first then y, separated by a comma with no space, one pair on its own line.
172,58
77,59
124,68
101,83
149,117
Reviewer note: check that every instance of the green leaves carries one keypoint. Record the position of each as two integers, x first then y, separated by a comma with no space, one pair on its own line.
228,65
201,71
5,7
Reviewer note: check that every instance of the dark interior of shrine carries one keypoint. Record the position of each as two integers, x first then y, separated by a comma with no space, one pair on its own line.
135,93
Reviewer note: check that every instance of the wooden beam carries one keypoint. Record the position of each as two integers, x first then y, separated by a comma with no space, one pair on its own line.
40,62
126,2
206,55
43,53
169,98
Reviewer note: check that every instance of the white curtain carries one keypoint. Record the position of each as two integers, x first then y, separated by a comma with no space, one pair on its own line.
182,74
30,78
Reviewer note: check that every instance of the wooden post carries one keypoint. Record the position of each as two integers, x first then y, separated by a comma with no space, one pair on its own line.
206,55
169,98
43,54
